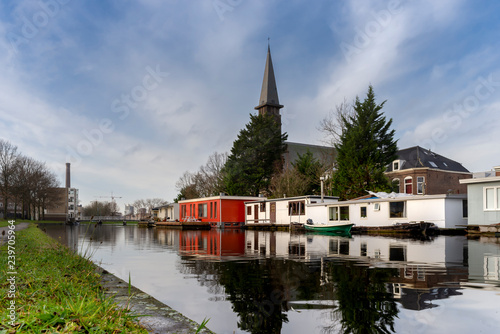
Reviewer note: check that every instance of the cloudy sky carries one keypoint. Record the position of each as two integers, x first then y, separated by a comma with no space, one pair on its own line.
134,93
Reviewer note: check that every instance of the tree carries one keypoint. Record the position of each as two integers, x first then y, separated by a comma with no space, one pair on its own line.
366,146
331,125
256,154
288,183
8,157
310,169
208,181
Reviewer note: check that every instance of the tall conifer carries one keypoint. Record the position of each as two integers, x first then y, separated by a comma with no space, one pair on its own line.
365,149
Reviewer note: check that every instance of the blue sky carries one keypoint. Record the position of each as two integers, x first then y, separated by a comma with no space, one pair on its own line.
134,93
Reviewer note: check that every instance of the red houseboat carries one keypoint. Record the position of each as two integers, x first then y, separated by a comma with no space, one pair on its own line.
220,211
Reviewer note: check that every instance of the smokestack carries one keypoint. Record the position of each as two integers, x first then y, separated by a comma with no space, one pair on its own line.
68,179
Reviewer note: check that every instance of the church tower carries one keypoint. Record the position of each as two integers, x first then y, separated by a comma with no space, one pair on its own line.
269,103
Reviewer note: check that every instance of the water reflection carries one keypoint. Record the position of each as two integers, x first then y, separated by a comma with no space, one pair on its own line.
272,282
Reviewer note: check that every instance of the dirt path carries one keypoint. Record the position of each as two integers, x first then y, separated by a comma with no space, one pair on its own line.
4,230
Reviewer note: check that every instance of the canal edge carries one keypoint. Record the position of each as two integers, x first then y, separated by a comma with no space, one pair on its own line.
155,316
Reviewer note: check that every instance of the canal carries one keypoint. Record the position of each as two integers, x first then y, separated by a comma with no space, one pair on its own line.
281,282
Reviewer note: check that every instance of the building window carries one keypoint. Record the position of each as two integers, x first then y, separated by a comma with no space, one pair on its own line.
397,210
338,213
263,207
344,213
202,210
395,185
420,185
492,198
333,213
249,210
396,165
408,185
296,208
362,211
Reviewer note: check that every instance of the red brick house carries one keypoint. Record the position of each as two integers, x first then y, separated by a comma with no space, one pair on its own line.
419,171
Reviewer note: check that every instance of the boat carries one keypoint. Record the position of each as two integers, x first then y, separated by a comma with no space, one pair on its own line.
332,228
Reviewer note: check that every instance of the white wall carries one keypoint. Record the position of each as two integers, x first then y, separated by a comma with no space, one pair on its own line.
444,212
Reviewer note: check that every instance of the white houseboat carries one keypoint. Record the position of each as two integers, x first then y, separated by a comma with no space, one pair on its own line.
379,210
282,212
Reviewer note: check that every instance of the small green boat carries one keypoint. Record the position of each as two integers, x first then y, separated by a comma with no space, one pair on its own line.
333,228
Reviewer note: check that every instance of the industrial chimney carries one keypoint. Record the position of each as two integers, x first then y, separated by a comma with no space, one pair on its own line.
68,179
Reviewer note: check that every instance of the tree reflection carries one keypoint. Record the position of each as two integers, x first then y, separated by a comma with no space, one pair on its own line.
364,304
257,293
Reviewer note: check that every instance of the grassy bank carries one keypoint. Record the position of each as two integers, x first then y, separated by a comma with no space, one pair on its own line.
56,291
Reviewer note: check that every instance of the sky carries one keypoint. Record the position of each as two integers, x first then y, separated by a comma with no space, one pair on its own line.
135,93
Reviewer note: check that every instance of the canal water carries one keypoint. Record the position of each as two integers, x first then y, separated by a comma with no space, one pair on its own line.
281,282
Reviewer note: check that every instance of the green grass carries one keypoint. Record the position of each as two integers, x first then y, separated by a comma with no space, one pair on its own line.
57,291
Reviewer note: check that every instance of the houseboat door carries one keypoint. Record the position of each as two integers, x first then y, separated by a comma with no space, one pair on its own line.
273,212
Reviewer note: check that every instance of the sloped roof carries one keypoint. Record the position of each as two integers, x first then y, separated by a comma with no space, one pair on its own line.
269,92
417,157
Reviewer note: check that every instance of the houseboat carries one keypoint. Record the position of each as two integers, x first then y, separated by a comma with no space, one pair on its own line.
218,211
393,210
281,212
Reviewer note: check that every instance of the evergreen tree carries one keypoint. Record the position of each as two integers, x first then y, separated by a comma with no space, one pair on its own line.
256,154
311,170
365,149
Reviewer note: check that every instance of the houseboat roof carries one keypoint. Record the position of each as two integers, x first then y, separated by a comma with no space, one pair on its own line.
221,197
480,180
418,157
393,199
261,200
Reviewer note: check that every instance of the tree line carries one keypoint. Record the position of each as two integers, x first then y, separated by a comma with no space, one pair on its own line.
27,186
360,133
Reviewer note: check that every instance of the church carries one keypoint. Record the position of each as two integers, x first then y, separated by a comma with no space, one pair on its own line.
269,105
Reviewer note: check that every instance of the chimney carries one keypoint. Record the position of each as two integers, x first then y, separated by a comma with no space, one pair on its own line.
68,179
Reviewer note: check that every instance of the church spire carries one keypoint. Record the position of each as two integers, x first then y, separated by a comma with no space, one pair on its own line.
269,102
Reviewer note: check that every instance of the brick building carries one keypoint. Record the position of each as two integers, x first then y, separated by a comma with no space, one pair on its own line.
419,171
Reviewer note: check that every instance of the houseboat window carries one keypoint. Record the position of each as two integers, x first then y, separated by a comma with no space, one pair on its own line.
420,185
489,198
215,209
183,211
395,185
364,248
397,253
397,209
263,207
344,213
296,208
333,213
202,210
249,210
489,194
362,211
465,210
408,185
211,209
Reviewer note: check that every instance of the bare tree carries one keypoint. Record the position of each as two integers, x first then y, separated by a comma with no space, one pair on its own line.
8,156
331,125
289,182
208,181
148,203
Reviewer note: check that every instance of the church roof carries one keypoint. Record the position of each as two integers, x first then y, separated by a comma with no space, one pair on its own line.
269,92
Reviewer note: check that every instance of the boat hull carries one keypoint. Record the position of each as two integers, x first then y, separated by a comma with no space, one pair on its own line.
338,228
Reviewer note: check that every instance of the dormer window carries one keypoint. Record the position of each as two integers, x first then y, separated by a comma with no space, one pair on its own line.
397,164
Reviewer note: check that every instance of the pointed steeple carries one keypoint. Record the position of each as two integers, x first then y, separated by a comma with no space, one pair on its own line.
269,102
